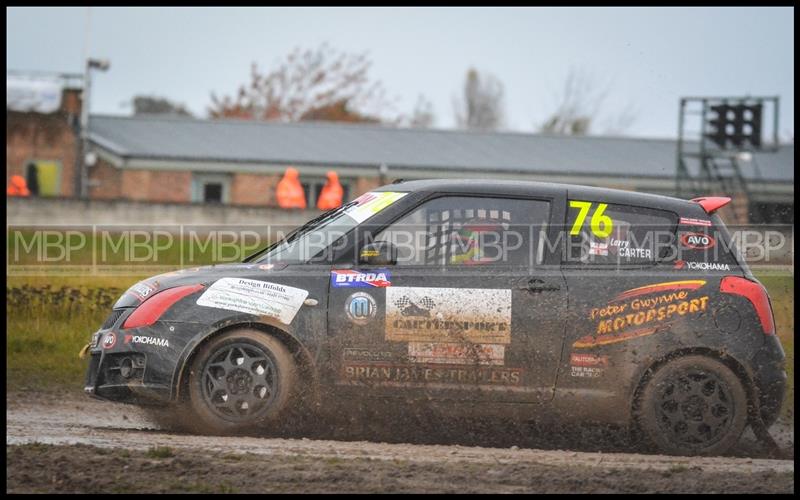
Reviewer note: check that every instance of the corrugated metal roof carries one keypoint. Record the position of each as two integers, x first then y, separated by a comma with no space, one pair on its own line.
332,144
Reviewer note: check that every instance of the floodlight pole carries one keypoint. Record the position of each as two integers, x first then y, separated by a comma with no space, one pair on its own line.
102,65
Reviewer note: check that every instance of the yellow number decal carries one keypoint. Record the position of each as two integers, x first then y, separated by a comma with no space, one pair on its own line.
600,224
598,219
584,207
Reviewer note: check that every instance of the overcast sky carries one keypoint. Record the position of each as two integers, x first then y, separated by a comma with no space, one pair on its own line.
647,57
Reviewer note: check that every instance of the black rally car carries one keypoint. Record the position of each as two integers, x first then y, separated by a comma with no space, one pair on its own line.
540,300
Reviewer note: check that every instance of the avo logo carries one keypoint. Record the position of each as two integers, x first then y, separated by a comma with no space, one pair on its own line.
109,341
697,241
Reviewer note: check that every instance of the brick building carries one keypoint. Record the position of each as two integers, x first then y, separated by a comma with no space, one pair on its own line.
180,160
45,144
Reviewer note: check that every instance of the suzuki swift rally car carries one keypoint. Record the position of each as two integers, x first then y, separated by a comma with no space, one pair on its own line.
549,302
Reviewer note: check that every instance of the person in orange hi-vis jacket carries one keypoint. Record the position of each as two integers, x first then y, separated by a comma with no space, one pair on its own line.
332,192
289,191
18,186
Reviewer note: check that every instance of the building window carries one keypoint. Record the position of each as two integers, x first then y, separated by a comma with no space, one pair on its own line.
312,188
210,188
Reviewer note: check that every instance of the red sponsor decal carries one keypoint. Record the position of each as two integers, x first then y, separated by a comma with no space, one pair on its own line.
680,264
588,360
697,241
694,222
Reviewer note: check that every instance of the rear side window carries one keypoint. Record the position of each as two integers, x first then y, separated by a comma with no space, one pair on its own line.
615,235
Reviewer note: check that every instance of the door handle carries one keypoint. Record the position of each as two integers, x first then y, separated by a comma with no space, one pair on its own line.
537,285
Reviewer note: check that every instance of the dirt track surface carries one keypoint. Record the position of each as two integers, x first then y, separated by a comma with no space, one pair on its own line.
103,447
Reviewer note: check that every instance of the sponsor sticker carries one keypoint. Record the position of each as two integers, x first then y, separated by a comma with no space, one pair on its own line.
350,278
456,354
387,374
142,290
697,241
110,340
143,339
360,308
694,222
643,311
458,315
702,266
365,354
369,204
261,298
588,365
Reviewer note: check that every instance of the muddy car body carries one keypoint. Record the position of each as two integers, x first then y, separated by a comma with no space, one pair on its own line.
417,291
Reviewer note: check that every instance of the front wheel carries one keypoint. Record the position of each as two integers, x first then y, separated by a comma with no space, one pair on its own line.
693,405
240,380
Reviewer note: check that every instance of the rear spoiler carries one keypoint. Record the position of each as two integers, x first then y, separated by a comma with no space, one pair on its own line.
712,203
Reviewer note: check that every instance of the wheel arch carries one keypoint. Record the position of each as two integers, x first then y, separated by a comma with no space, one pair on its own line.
305,363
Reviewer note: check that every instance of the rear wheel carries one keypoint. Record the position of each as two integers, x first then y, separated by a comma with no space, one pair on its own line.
693,405
240,380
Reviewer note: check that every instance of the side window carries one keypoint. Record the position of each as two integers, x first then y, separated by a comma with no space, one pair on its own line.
464,231
616,235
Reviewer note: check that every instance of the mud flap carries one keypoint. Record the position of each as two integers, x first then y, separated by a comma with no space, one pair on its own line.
760,429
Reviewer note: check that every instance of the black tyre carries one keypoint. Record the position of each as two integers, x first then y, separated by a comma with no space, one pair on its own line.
239,381
693,405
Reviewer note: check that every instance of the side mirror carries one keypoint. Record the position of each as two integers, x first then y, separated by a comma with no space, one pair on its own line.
379,253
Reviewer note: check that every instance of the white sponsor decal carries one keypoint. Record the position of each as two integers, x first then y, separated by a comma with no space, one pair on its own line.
141,339
638,253
142,290
456,315
261,298
369,204
708,266
456,354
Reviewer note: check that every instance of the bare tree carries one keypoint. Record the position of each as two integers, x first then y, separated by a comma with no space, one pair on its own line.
422,115
481,106
579,107
309,84
153,105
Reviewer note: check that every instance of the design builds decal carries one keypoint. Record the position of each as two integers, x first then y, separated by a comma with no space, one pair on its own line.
643,311
350,278
369,204
456,354
261,298
360,308
456,315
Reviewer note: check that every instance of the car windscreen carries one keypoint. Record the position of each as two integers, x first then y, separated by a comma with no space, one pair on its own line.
314,237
